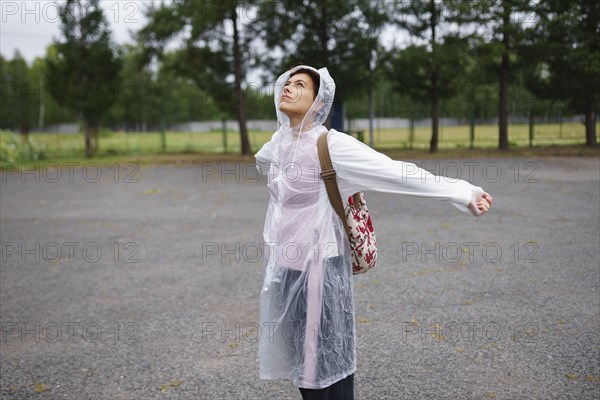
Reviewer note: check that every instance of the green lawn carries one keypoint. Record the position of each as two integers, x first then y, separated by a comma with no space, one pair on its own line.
455,137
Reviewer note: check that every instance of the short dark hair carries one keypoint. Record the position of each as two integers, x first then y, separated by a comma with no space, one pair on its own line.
314,76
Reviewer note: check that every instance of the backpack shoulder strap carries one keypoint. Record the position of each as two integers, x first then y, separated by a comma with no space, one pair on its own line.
330,178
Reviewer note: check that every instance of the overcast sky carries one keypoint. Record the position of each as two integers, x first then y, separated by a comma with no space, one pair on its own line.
30,26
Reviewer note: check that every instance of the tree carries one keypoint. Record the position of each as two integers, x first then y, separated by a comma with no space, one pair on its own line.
211,55
18,95
409,70
562,54
499,23
443,66
82,72
423,20
134,107
337,34
4,113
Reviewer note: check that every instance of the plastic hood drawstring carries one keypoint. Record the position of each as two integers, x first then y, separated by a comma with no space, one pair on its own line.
300,132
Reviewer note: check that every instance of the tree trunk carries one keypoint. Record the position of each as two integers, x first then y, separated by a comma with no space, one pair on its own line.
241,114
24,129
504,74
88,141
435,113
590,123
96,142
433,145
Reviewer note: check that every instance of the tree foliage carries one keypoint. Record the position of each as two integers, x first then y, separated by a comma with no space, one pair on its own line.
562,56
214,49
552,54
82,72
340,35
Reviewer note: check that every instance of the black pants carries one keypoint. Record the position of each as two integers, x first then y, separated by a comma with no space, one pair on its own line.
341,390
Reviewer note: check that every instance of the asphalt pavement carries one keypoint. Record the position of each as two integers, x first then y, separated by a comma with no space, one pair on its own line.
143,283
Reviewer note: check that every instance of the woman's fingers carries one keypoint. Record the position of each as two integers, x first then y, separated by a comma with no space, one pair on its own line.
489,198
483,205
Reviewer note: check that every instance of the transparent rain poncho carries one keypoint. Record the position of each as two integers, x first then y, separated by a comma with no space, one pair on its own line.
307,309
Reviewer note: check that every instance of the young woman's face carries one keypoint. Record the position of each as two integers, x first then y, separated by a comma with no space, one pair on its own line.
297,96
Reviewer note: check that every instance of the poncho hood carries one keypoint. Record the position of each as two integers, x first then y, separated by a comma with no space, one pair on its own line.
319,110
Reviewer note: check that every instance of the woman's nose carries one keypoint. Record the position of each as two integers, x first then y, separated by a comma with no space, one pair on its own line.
287,89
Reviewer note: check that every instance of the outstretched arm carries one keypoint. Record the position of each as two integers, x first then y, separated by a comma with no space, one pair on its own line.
366,169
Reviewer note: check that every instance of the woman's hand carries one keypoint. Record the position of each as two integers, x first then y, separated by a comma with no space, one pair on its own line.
482,206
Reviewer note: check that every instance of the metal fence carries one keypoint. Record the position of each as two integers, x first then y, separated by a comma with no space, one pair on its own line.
223,136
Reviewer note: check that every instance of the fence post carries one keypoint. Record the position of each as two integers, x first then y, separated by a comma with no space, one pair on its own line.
411,133
530,128
163,136
224,130
560,123
472,131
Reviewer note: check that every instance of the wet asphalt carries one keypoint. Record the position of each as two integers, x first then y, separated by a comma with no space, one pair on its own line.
136,282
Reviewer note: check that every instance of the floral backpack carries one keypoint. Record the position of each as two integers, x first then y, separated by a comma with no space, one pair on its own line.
355,216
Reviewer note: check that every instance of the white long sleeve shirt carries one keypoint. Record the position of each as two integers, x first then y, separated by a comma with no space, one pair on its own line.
361,168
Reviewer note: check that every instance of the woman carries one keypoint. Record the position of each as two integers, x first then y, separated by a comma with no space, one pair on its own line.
307,309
